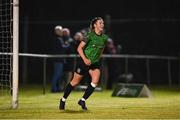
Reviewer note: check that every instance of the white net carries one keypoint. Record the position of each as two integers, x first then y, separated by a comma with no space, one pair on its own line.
5,46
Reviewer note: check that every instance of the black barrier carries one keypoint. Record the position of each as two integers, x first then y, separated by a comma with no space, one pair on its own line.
131,90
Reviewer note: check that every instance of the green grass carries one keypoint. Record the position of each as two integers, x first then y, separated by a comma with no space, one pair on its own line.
165,104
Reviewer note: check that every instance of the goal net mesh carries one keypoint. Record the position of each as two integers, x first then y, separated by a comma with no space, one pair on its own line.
5,47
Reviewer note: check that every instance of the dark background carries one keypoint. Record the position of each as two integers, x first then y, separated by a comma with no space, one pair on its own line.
149,27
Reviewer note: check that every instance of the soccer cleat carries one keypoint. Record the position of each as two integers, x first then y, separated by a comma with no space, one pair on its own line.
62,105
82,104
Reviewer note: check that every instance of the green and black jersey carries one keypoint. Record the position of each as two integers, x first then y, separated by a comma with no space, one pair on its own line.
94,46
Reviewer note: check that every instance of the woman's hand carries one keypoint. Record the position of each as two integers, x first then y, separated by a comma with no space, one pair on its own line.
87,62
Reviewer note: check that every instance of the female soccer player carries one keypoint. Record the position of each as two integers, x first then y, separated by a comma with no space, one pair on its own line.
90,50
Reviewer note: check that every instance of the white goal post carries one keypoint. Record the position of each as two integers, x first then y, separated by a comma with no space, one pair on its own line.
15,79
9,50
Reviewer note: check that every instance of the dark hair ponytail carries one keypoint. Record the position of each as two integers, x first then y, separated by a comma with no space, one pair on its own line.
93,21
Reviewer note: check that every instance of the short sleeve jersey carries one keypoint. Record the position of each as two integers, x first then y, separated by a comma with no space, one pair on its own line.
95,45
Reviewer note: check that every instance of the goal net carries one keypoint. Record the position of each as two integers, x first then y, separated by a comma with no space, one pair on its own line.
5,46
8,51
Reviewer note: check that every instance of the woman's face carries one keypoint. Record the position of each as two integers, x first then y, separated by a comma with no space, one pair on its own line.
99,25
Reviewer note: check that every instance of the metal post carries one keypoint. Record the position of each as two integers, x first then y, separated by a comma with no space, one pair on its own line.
25,50
108,24
179,70
103,81
126,65
148,71
44,75
169,73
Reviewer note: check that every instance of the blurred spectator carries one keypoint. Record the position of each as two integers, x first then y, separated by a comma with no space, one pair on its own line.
110,64
84,31
68,41
58,48
110,47
70,49
78,37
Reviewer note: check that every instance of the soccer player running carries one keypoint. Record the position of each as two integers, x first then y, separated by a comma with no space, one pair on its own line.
90,50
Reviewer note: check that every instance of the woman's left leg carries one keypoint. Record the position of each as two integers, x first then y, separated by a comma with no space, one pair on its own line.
95,75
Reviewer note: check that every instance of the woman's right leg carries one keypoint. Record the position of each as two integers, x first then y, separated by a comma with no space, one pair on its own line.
75,81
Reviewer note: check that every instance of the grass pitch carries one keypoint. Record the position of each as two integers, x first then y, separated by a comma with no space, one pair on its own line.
165,104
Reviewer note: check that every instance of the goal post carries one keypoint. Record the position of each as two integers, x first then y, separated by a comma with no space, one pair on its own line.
15,77
9,40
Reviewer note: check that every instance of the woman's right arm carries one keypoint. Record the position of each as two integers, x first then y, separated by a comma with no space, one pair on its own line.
81,53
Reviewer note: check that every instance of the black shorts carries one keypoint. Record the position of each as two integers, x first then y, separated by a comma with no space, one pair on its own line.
82,68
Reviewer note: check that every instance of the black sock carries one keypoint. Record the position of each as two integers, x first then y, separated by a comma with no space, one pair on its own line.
67,90
88,92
